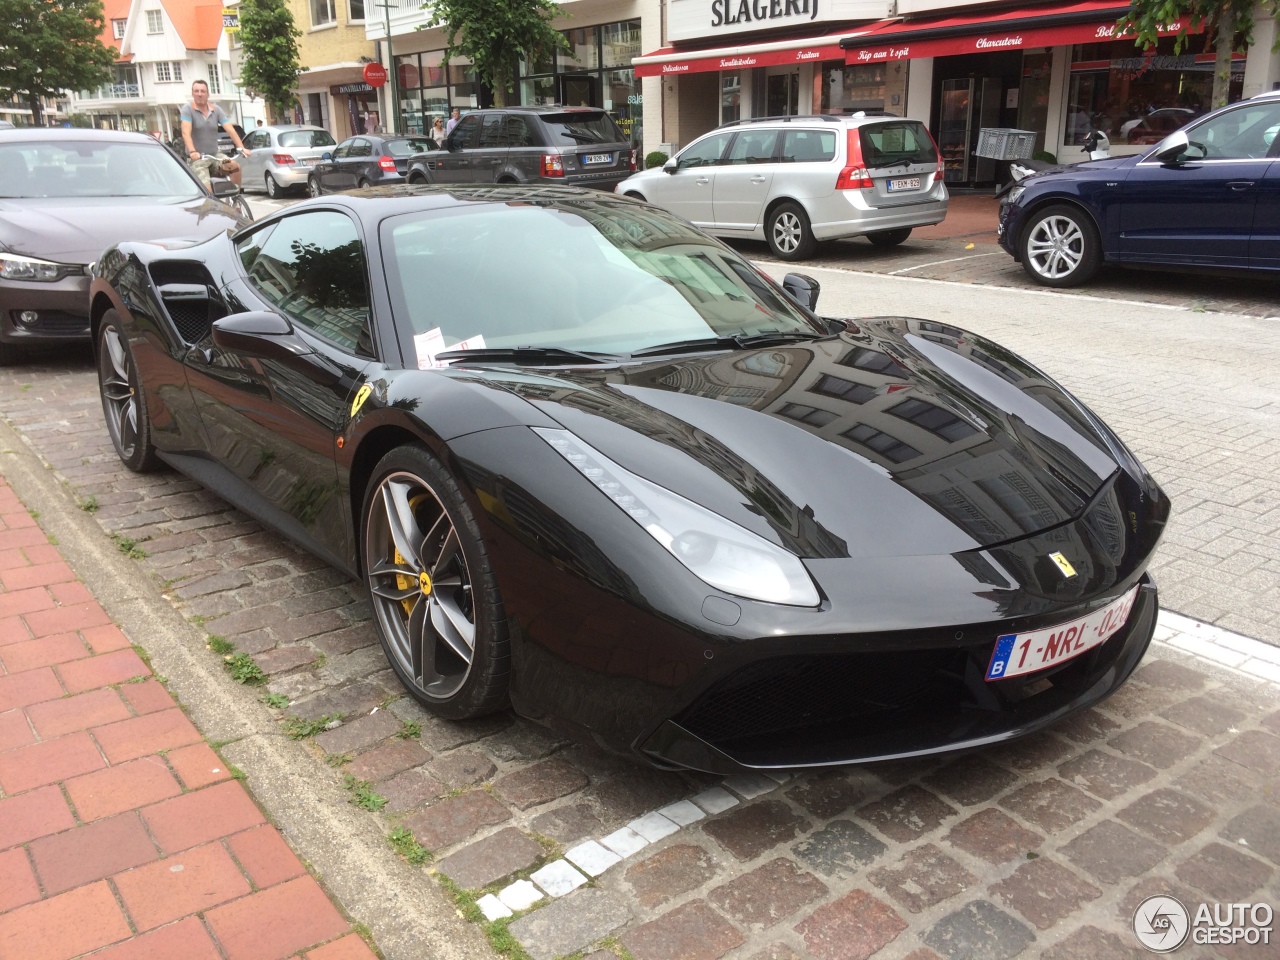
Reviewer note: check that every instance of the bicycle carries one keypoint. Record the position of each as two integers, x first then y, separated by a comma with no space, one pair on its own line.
207,165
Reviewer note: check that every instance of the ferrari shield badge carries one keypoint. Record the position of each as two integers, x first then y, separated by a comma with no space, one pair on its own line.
1063,564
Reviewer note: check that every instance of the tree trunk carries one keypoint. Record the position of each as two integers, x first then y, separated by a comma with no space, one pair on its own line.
500,81
1222,47
37,114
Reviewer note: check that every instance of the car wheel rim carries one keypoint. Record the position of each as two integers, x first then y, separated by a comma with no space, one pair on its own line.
119,397
1055,247
314,188
420,585
786,232
272,189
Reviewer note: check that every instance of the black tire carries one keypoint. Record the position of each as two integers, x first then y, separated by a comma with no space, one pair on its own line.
889,238
123,402
1060,247
9,354
274,190
788,232
435,601
362,183
635,196
313,187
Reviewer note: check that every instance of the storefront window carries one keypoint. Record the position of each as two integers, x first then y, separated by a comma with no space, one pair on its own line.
538,92
619,42
583,52
411,111
730,97
429,89
594,71
875,87
1138,97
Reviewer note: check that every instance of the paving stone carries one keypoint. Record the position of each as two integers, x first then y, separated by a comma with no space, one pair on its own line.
827,794
775,951
442,735
1134,701
410,789
767,894
1155,743
1104,774
1112,852
1050,804
566,926
1044,891
979,931
1225,873
1216,780
691,932
1254,750
839,849
715,800
463,768
669,874
1205,715
359,733
591,858
1087,727
1150,886
493,908
520,895
971,781
1167,815
1090,943
540,783
750,785
749,831
653,826
359,696
455,819
922,877
567,823
850,928
994,836
624,842
1259,827
1031,753
283,659
899,772
558,878
525,741
683,812
388,759
481,863
1169,675
907,814
621,799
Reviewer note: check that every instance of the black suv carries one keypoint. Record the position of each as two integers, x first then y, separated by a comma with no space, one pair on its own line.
573,146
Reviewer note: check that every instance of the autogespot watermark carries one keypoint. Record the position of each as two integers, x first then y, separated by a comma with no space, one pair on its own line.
1162,924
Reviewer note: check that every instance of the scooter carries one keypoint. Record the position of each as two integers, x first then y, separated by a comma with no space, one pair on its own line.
1097,145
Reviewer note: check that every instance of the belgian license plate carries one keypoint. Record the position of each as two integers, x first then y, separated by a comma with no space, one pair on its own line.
598,158
1019,653
904,183
309,161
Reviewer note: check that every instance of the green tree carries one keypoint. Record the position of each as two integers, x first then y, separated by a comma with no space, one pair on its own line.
48,46
495,36
1227,26
270,42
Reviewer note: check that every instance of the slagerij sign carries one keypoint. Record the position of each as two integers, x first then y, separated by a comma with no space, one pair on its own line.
694,19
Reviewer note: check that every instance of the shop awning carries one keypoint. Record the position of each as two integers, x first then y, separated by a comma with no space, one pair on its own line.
1093,21
774,53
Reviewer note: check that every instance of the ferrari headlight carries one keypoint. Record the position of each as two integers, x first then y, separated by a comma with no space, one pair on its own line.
14,267
714,549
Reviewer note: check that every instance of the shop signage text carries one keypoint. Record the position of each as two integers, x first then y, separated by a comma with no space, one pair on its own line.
726,12
343,89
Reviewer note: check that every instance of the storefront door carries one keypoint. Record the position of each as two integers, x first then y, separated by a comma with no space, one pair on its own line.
782,94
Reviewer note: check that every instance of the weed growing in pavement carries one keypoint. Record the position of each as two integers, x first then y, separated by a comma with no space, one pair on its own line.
35,514
366,935
320,660
89,504
236,772
403,843
128,547
199,619
53,541
500,938
220,645
244,670
296,728
614,946
410,730
338,759
362,794
277,701
143,655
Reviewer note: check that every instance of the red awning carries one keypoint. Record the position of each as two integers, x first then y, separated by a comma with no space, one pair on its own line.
1093,21
773,53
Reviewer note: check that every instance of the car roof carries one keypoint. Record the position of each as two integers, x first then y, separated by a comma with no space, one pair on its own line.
834,119
286,127
374,204
545,109
51,134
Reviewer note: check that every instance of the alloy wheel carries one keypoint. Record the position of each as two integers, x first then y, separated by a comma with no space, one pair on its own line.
1056,247
787,232
118,392
313,187
420,585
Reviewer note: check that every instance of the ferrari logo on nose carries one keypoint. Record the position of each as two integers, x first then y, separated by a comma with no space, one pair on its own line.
424,583
1063,564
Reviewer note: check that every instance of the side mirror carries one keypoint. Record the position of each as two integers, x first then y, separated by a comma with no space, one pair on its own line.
802,289
269,336
326,155
1173,147
671,166
224,188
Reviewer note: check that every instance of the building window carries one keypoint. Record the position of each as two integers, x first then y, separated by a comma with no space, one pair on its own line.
830,386
155,22
168,71
215,79
806,414
355,11
852,87
936,420
117,28
891,448
873,361
322,12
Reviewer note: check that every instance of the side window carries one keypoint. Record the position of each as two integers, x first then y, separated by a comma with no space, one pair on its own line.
705,153
519,133
311,267
753,146
491,132
361,148
1243,134
807,146
257,140
343,150
467,133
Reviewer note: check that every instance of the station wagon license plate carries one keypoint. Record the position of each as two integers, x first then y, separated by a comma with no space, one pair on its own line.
598,158
1019,653
904,183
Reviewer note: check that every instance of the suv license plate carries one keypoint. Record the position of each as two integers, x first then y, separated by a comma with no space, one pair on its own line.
905,183
598,158
1019,653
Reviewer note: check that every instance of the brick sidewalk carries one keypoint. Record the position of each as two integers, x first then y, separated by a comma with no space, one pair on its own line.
120,827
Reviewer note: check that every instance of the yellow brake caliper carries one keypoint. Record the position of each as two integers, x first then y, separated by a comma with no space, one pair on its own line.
404,581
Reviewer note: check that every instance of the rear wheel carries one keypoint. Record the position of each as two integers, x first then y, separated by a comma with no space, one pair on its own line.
362,183
123,402
313,186
889,238
634,196
1060,247
789,234
434,597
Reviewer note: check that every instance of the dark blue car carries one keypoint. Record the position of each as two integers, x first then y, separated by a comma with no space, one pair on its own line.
1207,195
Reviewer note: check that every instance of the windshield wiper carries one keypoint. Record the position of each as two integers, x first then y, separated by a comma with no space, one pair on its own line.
740,342
584,137
529,355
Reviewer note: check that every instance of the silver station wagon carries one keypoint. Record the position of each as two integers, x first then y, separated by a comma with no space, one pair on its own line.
793,181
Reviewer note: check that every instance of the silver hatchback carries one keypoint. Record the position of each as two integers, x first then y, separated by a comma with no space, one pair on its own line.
793,181
281,157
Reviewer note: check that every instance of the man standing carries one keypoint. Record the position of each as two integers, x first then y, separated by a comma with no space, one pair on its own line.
201,121
453,121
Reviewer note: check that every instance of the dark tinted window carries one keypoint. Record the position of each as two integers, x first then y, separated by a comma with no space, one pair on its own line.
467,132
361,147
806,146
306,138
805,414
491,132
830,386
312,268
574,129
886,143
257,140
520,131
873,361
407,148
934,419
344,149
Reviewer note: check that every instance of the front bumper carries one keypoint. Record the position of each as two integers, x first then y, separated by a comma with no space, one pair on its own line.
62,310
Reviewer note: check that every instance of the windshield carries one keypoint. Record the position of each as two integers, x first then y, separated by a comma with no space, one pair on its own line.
306,138
583,275
82,168
407,148
906,141
572,129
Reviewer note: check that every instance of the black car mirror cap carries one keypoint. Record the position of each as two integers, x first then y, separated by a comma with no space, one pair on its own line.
224,188
269,336
803,289
1173,147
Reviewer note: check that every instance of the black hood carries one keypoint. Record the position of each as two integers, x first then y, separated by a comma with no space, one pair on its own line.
902,437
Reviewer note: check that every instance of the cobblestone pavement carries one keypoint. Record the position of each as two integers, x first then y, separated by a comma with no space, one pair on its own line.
1041,848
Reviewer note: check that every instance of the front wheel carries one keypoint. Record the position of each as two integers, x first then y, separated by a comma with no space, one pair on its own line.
434,596
273,188
789,234
313,186
1060,247
362,183
889,238
123,402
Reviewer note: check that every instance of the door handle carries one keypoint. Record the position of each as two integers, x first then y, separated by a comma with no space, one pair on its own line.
1238,185
703,180
757,179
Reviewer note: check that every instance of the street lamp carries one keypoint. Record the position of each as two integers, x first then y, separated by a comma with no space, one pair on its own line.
391,69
